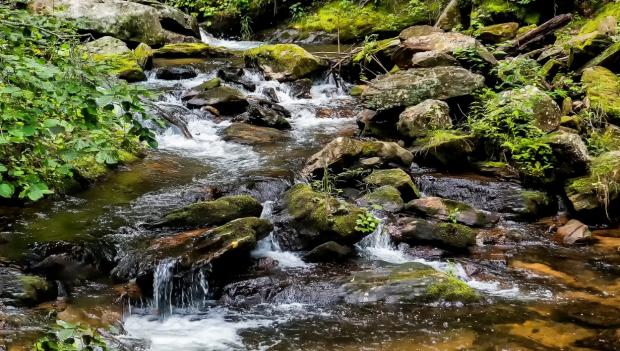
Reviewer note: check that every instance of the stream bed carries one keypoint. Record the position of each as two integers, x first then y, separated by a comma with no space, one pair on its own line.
534,295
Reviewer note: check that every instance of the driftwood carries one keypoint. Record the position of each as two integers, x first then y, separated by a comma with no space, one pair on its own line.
174,120
537,37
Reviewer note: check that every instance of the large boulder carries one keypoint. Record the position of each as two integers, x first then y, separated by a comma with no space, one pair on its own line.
418,120
283,62
417,31
122,61
413,86
415,231
227,100
397,178
598,192
319,218
248,134
537,104
450,210
603,91
570,153
346,152
106,45
206,213
498,33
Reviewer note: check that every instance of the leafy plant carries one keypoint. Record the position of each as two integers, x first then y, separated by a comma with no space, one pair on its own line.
61,111
470,58
366,223
246,28
71,337
453,215
326,184
518,72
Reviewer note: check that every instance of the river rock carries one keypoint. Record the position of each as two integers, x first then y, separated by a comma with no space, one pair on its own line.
346,152
386,198
444,149
268,115
175,72
122,62
106,45
236,75
603,91
191,50
428,115
283,62
319,218
573,232
413,86
415,230
215,212
570,153
244,133
397,178
301,88
428,59
328,252
18,288
530,100
417,31
498,33
227,100
407,282
450,210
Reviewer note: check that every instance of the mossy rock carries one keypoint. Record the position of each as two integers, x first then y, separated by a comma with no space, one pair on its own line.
321,217
415,231
397,178
450,210
599,191
541,109
385,198
283,62
594,24
610,59
445,149
498,33
603,91
498,11
22,289
191,50
418,120
207,213
352,21
124,66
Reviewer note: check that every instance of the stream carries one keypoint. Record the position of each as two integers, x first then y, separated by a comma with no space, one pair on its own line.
532,293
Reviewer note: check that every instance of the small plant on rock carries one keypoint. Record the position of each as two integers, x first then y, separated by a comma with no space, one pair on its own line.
366,223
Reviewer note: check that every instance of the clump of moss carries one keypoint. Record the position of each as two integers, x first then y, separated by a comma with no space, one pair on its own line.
611,9
283,61
452,289
603,89
496,11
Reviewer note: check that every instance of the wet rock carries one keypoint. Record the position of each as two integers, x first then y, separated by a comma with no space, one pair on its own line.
429,59
418,120
175,72
213,212
448,43
386,198
268,115
18,288
602,89
605,340
450,210
227,100
343,153
571,154
236,75
244,133
592,314
507,198
598,192
319,218
283,62
191,50
328,252
411,87
415,230
397,178
408,282
301,88
498,33
271,94
417,31
444,149
533,101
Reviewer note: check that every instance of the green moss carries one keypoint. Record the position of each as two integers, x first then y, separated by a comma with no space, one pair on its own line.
452,289
357,90
440,137
604,176
213,212
186,50
284,61
611,9
143,55
352,21
124,66
210,84
32,286
387,197
397,178
88,168
603,89
456,235
497,11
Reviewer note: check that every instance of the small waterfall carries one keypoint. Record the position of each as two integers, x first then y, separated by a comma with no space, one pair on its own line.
379,246
207,38
269,246
163,286
172,292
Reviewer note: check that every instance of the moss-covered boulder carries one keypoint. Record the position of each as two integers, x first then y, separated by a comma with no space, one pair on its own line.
413,86
598,193
444,149
283,62
385,198
191,50
418,120
611,9
535,103
498,33
455,211
395,177
610,59
570,153
415,231
123,62
352,21
319,217
343,153
328,252
411,282
207,213
603,91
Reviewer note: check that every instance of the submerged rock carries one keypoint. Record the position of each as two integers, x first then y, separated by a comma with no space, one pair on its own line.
346,152
415,230
450,210
244,133
329,251
283,62
215,212
397,178
413,86
418,120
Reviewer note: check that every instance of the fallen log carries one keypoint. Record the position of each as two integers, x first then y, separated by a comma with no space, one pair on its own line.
537,37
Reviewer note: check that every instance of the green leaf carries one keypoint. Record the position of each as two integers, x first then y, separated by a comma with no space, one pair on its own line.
6,190
37,191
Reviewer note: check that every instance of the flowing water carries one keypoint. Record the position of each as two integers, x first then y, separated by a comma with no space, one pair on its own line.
304,306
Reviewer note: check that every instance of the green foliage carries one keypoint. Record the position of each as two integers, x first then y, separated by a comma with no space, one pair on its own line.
366,223
511,128
246,28
518,72
71,337
326,185
599,143
58,107
471,59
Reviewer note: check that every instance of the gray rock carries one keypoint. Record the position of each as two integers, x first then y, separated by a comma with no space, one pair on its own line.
328,252
418,120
